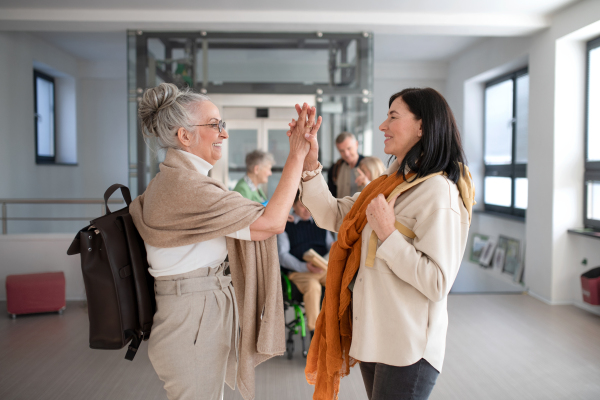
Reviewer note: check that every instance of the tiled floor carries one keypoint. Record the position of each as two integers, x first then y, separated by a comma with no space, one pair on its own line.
500,347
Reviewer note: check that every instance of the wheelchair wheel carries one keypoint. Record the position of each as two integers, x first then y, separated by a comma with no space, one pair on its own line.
289,349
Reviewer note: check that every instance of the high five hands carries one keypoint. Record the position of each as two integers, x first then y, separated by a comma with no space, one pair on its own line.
306,124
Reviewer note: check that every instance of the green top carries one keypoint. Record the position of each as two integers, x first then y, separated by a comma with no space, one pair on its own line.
244,189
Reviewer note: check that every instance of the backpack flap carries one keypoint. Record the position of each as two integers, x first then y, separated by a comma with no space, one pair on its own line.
75,247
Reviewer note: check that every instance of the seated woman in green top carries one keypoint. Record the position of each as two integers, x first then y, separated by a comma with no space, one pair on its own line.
258,171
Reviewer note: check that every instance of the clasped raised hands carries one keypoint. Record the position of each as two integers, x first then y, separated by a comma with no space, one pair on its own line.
306,128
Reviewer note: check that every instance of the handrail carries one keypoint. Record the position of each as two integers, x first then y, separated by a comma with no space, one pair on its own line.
5,217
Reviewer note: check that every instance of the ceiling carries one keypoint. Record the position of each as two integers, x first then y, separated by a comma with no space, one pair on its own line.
541,7
419,48
404,30
89,46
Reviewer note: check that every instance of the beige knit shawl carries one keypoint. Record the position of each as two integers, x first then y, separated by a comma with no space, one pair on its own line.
181,206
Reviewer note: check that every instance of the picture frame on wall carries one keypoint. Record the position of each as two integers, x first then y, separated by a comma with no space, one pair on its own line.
498,260
512,254
487,253
477,244
521,270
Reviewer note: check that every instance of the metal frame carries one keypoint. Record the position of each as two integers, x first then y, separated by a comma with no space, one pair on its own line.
43,159
592,168
512,170
355,79
285,40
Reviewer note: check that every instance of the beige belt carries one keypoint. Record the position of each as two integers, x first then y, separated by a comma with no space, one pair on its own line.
203,284
190,285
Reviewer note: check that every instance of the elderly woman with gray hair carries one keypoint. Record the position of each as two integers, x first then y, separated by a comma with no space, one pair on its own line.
258,171
190,223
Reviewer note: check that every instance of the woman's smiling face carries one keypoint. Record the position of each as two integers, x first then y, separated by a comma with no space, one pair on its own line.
402,129
209,140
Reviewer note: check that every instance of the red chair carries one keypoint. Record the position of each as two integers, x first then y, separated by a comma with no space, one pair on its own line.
35,293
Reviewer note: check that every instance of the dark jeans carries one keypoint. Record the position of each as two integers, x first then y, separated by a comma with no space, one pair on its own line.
386,382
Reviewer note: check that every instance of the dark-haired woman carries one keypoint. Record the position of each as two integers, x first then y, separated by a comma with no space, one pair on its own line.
400,244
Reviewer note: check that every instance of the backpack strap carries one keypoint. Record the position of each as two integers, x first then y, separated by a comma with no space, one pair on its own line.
124,192
136,340
144,296
401,188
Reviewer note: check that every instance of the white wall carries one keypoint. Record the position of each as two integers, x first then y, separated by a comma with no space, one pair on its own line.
97,93
392,77
98,96
26,254
555,168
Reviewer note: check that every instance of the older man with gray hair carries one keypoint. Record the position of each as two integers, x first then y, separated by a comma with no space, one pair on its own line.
344,177
258,171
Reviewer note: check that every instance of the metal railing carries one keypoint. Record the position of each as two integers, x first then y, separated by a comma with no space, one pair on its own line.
5,202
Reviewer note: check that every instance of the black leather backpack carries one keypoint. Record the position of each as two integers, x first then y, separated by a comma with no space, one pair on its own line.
119,289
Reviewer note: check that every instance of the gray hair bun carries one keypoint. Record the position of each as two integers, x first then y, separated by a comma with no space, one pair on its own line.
164,109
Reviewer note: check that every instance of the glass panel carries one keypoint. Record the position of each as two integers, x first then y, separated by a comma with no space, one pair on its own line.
344,114
521,186
522,118
498,191
498,123
170,60
279,146
305,66
593,135
241,142
45,117
593,200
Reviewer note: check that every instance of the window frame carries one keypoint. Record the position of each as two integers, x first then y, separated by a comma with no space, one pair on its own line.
513,170
592,168
43,159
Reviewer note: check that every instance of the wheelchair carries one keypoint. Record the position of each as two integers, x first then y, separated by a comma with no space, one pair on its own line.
292,298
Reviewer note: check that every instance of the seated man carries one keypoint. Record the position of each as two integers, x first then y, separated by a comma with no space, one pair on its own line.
258,171
301,235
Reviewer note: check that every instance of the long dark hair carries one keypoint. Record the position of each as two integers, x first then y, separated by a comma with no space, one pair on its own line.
440,147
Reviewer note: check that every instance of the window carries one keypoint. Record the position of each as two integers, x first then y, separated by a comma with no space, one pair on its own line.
505,144
45,120
592,137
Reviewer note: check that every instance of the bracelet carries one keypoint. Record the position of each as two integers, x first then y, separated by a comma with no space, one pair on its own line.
310,174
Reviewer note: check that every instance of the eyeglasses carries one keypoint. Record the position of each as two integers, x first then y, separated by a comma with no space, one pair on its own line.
221,125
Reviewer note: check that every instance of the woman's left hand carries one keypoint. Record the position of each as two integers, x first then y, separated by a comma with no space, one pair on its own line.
381,216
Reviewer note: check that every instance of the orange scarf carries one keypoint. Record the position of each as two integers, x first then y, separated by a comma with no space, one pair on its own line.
328,357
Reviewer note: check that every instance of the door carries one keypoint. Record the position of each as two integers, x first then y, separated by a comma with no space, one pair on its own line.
246,135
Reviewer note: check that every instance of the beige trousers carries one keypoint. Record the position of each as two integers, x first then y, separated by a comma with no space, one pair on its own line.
193,344
309,284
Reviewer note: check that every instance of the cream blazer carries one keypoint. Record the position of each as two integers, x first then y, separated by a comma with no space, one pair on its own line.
400,304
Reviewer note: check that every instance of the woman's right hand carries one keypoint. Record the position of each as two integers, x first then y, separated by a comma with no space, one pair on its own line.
311,162
298,143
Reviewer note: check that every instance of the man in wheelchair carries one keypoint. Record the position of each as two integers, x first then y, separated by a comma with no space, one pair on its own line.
301,235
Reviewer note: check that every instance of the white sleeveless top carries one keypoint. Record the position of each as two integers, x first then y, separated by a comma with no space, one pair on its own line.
182,259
